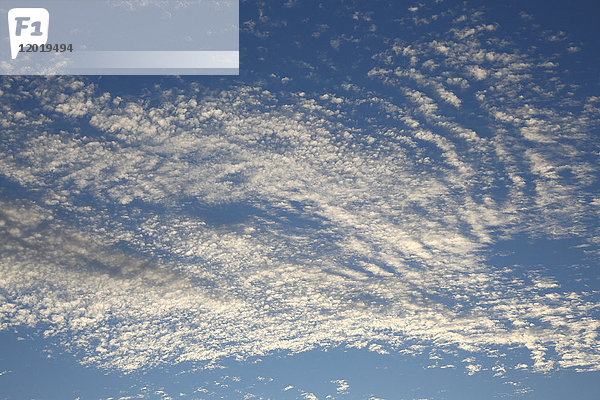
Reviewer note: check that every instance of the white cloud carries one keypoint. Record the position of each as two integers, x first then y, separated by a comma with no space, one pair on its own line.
240,222
472,369
477,72
342,386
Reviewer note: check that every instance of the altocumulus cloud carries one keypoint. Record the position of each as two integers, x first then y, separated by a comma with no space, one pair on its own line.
196,224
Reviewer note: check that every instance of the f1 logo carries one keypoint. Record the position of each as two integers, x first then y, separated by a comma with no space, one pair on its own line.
27,26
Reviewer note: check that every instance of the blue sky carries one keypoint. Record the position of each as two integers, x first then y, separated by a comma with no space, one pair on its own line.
391,201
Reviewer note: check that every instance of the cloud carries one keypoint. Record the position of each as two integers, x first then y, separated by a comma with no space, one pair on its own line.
342,386
478,72
194,224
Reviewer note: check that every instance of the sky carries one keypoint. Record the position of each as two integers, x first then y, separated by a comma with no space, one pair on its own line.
393,200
